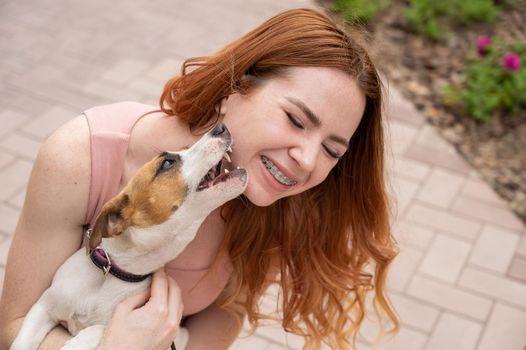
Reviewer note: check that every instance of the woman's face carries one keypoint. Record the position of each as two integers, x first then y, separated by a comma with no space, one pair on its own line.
289,132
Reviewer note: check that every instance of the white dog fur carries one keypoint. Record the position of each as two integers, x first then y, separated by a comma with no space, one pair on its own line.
145,226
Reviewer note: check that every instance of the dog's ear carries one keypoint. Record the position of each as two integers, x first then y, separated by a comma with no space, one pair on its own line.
110,221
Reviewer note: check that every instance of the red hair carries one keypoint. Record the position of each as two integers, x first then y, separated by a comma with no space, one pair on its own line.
318,244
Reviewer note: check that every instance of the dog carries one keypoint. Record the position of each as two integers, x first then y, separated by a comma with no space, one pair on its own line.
138,231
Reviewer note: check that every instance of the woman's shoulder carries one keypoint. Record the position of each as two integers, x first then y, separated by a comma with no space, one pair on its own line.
67,145
60,178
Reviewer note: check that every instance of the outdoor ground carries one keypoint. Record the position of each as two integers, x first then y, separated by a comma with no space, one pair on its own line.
420,67
460,279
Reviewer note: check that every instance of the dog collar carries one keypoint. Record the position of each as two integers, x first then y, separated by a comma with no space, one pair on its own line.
102,260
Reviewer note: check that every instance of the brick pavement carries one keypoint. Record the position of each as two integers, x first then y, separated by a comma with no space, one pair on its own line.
460,280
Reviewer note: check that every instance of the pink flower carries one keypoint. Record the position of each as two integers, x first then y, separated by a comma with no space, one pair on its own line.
511,61
483,43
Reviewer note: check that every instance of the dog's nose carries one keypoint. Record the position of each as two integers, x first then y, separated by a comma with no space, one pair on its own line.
219,129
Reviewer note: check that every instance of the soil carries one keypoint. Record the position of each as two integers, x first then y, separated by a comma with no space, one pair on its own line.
419,67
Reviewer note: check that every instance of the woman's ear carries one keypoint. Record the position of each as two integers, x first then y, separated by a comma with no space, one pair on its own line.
221,107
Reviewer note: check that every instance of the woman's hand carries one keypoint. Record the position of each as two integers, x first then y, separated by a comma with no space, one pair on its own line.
149,320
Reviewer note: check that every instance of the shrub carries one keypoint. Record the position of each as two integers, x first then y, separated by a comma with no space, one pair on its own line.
359,11
494,79
431,18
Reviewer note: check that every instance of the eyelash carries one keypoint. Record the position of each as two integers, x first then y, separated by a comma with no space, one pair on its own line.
299,125
295,121
332,153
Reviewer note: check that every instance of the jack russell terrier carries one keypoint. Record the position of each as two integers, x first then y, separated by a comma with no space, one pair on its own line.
137,232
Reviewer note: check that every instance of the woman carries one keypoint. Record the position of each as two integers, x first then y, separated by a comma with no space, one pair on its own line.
315,213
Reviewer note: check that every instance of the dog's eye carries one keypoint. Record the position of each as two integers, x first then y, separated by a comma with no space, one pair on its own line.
167,164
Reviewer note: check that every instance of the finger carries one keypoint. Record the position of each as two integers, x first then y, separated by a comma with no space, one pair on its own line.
159,289
135,301
175,302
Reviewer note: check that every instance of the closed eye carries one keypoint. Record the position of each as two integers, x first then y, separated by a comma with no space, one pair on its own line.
295,121
332,153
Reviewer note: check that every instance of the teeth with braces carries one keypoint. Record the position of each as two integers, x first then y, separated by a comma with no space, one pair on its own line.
278,175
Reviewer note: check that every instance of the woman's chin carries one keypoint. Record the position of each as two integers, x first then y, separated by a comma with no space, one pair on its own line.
259,198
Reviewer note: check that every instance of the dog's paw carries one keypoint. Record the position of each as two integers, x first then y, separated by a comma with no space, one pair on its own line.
87,339
182,338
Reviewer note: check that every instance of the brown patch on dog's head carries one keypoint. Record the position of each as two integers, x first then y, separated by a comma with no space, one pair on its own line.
153,194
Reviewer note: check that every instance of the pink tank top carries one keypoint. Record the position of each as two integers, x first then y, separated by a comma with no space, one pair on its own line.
110,128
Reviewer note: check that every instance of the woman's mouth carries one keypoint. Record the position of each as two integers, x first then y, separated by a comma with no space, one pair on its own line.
276,173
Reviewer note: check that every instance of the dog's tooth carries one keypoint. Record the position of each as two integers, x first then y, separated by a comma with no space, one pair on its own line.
227,157
226,171
238,167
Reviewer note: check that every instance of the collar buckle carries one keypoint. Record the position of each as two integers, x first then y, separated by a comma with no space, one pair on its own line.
107,267
86,238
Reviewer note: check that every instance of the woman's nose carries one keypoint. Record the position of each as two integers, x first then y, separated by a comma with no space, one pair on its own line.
306,155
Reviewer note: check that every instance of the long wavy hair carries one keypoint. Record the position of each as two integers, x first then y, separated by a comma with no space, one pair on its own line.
326,247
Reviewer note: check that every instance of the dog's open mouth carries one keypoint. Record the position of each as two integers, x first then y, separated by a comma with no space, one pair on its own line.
219,173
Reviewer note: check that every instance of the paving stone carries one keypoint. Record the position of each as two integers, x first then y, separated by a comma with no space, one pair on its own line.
440,188
428,136
505,329
70,96
21,145
403,268
487,213
4,249
518,268
449,297
454,332
14,177
406,339
410,169
404,191
494,249
443,220
413,235
101,89
521,249
165,69
23,100
415,313
435,157
125,71
10,121
8,219
17,200
496,286
445,258
5,159
400,109
147,87
43,125
478,189
401,136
